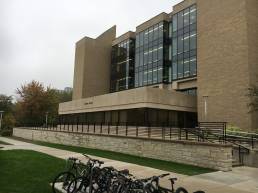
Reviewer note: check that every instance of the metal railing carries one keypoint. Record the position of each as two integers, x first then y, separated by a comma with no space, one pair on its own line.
212,132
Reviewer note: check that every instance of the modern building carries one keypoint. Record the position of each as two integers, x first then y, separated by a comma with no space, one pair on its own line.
193,64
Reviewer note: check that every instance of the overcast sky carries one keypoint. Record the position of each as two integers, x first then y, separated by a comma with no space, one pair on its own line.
37,37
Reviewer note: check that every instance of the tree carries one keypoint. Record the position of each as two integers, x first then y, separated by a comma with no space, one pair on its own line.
35,101
6,103
7,106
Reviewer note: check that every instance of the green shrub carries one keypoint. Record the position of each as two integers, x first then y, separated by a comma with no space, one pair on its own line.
8,121
6,132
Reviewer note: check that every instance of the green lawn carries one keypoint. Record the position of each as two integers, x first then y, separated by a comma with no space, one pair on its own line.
23,171
154,163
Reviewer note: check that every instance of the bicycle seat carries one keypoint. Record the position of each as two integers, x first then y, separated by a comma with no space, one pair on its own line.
173,179
125,171
72,158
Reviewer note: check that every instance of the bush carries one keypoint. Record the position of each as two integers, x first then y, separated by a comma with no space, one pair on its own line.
8,122
6,132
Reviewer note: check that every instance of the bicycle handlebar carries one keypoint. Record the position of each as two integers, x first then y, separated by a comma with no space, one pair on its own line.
155,177
93,160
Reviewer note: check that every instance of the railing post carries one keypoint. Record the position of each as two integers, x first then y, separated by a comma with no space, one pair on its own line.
186,134
117,128
137,130
101,128
77,125
94,129
170,133
108,128
82,127
239,154
126,129
180,133
149,131
163,132
252,142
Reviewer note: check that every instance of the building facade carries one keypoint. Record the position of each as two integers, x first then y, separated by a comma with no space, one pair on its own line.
193,64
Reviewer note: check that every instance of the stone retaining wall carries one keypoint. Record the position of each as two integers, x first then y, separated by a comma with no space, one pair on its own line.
215,156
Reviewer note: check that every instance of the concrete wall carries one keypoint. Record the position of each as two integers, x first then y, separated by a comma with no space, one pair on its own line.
213,156
135,98
92,65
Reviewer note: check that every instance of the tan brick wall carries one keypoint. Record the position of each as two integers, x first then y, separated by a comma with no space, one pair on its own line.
92,65
252,27
213,156
223,70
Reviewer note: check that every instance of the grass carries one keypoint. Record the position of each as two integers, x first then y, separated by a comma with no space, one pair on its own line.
25,171
143,161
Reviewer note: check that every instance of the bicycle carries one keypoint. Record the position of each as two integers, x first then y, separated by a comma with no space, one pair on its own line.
155,187
88,181
74,168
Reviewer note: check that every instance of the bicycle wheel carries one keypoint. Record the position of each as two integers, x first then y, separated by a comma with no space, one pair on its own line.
181,190
62,181
78,185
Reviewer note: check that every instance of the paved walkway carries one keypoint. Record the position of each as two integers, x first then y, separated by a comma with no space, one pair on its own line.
240,180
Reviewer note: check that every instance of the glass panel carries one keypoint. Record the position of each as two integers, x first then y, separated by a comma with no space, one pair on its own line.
150,76
180,44
145,77
193,66
186,67
160,73
170,30
160,53
141,78
186,42
186,16
193,12
180,69
155,53
155,75
137,41
174,42
141,39
180,20
161,30
174,23
174,70
193,40
136,79
146,32
170,52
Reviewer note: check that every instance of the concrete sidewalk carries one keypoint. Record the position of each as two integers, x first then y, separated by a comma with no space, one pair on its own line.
240,180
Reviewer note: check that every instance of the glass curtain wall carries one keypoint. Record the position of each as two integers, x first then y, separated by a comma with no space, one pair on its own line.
184,43
137,117
151,61
122,66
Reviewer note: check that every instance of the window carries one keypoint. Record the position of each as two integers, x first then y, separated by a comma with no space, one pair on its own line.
151,54
193,14
193,40
186,17
180,69
180,44
180,18
184,44
174,23
174,70
193,68
121,68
